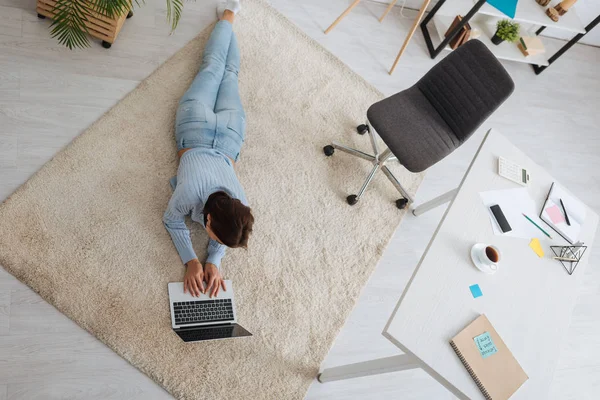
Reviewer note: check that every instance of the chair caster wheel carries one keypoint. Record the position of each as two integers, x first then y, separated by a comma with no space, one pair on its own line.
40,16
129,14
401,203
328,150
362,129
352,200
106,45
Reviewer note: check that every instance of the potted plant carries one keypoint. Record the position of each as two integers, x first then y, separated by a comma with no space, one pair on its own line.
506,30
74,20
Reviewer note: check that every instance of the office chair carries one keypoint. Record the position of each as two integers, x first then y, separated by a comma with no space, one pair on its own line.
425,123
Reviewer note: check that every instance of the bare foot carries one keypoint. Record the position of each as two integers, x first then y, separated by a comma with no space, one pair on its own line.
228,15
227,9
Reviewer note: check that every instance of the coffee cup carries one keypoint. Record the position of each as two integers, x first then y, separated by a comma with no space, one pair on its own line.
486,257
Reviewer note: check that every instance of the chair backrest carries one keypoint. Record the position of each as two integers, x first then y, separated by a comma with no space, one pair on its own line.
466,87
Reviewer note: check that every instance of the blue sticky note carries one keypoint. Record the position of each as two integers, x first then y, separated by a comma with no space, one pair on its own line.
508,7
475,291
485,345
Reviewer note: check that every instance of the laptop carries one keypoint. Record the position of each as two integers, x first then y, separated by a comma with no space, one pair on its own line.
201,318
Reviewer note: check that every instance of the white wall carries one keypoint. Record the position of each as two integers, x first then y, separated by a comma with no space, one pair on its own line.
586,9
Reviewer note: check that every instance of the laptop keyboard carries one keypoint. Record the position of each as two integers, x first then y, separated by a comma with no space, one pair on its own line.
194,335
193,312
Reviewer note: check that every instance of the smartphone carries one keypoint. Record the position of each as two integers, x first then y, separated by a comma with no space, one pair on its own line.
500,218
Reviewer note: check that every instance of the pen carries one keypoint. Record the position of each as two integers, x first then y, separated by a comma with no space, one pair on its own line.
565,211
537,226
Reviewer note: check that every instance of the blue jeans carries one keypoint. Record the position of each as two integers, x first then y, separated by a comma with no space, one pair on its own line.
210,113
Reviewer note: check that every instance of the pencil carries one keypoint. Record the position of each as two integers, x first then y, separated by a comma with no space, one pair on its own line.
565,259
537,226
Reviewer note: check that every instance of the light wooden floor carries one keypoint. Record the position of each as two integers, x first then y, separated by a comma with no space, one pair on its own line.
48,95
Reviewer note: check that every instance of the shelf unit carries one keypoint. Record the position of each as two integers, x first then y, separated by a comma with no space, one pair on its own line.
483,17
504,50
530,12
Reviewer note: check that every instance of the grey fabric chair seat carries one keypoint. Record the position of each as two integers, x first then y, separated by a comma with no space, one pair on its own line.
416,142
428,121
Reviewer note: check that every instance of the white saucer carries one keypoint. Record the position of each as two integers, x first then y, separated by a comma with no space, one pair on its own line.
478,264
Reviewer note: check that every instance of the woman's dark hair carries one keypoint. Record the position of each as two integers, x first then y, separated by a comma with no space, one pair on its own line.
230,220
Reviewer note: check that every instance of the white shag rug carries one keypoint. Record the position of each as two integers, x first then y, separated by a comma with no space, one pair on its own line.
86,231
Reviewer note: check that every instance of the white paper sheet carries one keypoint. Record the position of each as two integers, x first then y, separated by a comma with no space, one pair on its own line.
514,203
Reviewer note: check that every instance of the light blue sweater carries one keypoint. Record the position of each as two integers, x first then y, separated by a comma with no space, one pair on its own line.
201,173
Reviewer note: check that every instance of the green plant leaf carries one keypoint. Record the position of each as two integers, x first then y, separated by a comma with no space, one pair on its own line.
69,21
111,8
174,9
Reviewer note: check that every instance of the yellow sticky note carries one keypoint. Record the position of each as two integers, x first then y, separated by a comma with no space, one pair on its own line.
536,246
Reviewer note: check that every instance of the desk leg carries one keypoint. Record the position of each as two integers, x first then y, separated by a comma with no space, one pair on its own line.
438,201
387,10
366,368
410,33
341,17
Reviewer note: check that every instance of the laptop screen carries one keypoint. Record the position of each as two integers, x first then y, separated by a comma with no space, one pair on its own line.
211,332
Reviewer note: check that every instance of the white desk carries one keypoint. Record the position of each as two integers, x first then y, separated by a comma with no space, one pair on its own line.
529,300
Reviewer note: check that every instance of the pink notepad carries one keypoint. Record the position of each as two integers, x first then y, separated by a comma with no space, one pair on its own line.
555,215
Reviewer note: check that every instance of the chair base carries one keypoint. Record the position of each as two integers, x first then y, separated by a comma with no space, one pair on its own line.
378,159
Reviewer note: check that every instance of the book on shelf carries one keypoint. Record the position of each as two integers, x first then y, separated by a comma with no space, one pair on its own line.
462,36
531,45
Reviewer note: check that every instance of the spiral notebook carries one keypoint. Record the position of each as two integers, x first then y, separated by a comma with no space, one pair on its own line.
564,213
490,363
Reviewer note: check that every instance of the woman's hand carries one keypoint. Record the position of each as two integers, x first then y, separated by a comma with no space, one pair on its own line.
214,281
192,281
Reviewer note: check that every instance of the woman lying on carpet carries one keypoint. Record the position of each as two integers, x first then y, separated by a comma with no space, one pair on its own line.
210,129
